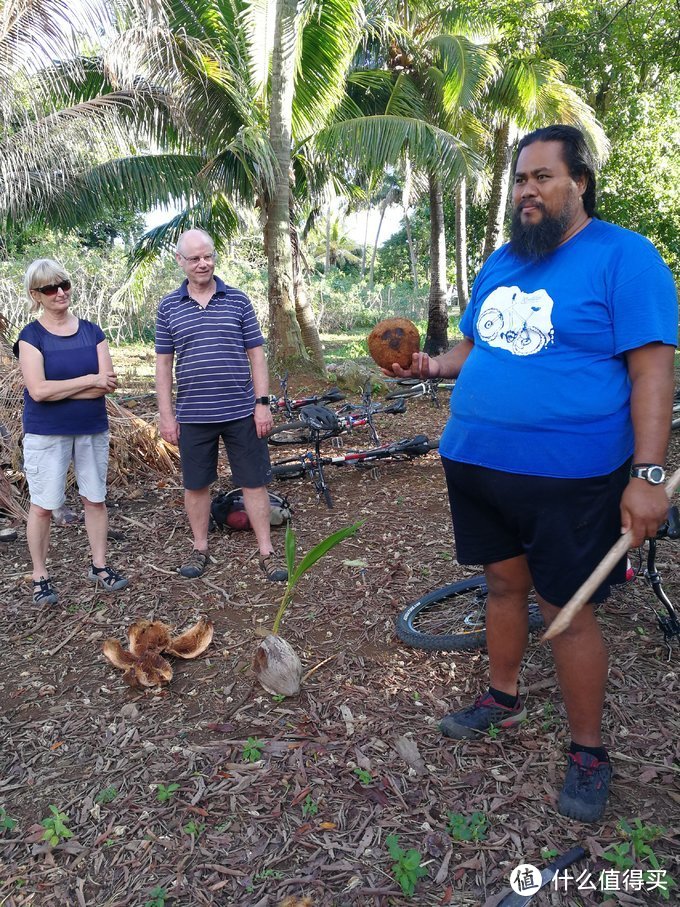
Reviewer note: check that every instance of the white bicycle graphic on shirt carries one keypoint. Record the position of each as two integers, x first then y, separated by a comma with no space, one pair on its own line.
508,320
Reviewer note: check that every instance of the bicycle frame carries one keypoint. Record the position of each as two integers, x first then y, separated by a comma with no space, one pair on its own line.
668,623
311,464
424,387
284,404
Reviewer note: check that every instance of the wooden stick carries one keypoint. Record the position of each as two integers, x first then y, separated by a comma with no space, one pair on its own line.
601,572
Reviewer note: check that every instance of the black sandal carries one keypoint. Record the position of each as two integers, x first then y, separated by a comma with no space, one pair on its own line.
108,578
44,592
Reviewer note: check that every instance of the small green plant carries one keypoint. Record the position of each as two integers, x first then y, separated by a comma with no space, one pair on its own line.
640,836
278,697
7,823
309,806
163,793
252,749
467,828
619,855
548,853
157,897
493,731
406,869
194,829
364,776
107,795
268,874
308,561
56,827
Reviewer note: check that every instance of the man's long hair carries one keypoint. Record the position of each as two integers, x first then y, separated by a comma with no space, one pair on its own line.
575,154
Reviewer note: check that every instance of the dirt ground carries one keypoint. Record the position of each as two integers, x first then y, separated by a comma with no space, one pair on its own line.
354,758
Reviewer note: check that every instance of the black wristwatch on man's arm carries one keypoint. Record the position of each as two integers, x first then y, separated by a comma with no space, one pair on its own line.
264,401
650,472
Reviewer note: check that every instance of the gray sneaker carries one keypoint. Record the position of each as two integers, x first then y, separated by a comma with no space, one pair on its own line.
476,719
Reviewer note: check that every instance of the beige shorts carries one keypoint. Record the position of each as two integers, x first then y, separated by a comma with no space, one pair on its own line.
48,457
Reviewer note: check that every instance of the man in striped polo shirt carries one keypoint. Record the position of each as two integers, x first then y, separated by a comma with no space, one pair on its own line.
209,332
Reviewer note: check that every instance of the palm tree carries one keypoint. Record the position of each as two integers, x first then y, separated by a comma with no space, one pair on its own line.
414,107
529,92
197,86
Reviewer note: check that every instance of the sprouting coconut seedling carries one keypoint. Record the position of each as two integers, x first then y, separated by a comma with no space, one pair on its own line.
143,663
276,664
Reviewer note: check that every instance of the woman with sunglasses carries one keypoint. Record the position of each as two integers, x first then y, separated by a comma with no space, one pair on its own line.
67,371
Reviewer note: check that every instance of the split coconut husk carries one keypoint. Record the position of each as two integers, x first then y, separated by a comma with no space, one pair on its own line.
277,667
393,340
143,664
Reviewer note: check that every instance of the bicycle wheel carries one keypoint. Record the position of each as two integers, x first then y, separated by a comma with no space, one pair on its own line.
406,393
452,618
290,433
288,470
675,422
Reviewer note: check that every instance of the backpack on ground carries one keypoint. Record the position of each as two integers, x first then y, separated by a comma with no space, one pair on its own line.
227,509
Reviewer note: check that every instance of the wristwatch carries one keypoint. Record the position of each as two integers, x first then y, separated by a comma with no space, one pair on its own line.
263,400
650,472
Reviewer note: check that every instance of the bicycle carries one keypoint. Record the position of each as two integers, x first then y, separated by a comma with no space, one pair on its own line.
452,618
317,422
675,418
311,464
284,404
409,388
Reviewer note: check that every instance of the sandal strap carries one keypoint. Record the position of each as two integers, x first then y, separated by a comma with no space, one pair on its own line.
45,589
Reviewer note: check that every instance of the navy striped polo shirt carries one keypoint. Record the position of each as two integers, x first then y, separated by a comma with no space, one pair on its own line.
212,369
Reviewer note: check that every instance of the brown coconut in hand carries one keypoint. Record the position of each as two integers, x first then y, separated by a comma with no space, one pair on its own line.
394,340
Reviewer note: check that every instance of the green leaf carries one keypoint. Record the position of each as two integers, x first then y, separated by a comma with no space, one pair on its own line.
291,544
323,548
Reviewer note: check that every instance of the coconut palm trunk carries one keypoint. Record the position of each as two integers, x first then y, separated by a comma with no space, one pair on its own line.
502,160
461,245
406,201
436,340
303,307
284,333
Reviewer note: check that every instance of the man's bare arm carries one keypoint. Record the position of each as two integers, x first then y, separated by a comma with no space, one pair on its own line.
446,365
168,424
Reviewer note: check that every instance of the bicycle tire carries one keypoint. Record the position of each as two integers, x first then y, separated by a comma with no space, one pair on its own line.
406,394
452,618
288,470
290,433
675,420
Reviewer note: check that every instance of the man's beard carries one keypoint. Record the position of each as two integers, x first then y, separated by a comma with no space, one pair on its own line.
536,241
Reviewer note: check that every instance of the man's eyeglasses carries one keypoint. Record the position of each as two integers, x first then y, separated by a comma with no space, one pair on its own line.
196,259
51,289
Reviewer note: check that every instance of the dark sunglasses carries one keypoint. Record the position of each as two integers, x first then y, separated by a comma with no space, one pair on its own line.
51,289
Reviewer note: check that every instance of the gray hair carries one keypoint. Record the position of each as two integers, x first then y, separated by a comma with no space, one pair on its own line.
178,247
39,273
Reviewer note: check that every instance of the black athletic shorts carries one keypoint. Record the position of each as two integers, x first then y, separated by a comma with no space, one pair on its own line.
248,455
564,527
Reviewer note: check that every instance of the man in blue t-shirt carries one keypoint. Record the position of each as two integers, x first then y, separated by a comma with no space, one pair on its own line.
209,332
558,433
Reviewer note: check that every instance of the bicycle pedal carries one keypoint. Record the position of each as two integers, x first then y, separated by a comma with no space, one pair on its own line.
337,442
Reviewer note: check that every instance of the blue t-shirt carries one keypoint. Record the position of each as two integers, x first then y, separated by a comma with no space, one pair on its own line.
545,390
64,358
212,369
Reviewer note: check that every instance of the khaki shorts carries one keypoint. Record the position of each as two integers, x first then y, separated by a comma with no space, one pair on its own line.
48,457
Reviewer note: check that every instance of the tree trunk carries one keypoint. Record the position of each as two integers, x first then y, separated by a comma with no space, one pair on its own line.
327,261
406,201
383,208
285,339
303,307
461,245
436,340
502,160
363,251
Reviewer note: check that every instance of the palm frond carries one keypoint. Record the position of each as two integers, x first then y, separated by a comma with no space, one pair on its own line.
373,142
328,37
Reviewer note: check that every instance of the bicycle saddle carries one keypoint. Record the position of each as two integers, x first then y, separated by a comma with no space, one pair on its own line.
320,418
333,395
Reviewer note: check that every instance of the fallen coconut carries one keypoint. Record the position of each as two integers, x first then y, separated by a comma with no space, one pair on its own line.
277,666
393,340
